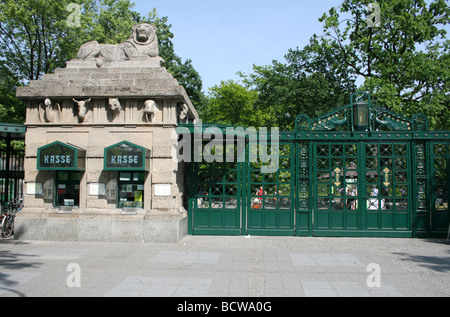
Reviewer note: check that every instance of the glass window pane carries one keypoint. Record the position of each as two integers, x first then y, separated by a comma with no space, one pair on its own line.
131,190
125,176
68,189
63,176
138,177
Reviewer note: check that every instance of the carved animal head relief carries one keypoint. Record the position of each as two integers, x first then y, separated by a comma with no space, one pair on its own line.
114,105
144,33
82,108
143,42
48,112
150,110
183,111
47,103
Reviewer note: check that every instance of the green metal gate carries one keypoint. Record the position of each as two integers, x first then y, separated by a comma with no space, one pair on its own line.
270,198
337,189
440,187
362,189
11,163
360,171
387,186
217,205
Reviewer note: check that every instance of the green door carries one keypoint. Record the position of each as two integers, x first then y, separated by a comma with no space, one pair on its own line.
386,185
362,189
337,205
440,185
217,202
270,200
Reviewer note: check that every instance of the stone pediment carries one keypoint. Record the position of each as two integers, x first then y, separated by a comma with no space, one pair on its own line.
80,79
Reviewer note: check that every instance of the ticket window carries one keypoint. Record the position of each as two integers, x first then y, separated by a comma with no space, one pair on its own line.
67,189
131,189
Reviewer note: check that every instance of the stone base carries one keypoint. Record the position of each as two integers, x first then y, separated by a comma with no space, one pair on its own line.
67,228
138,63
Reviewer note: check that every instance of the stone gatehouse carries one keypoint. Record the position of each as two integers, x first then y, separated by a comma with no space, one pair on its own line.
101,147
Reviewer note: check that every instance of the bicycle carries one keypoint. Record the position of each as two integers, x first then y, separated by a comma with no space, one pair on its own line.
8,219
2,216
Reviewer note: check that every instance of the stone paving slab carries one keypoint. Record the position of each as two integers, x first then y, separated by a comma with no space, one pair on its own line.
226,267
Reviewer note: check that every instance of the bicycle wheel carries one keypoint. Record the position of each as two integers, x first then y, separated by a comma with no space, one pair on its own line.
7,226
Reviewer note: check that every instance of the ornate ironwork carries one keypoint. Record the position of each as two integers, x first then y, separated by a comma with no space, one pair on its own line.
360,170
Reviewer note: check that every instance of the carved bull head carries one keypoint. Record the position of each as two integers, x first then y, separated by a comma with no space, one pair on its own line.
82,109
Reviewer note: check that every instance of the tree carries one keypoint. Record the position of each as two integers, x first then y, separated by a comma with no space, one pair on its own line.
34,37
12,110
232,103
403,62
311,82
37,36
298,87
112,21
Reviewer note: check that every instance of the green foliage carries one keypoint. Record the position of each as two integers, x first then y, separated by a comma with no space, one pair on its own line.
404,63
30,36
112,22
232,103
287,90
12,110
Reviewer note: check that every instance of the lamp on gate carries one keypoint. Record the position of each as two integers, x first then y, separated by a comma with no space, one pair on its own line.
361,116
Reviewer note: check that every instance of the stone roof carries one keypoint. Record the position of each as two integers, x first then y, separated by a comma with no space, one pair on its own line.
145,78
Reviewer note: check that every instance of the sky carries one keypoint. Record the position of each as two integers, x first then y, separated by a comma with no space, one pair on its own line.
225,37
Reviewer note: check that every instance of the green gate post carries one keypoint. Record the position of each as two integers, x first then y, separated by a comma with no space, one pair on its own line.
192,198
421,184
244,194
303,190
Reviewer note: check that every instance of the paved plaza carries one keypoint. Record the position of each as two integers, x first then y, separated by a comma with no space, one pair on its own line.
228,267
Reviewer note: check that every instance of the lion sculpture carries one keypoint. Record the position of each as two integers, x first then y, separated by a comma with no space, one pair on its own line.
142,44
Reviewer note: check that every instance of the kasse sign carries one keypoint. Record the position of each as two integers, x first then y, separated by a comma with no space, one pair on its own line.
60,156
125,156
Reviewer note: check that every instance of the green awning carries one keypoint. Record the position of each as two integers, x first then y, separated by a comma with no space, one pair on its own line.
12,131
58,156
125,156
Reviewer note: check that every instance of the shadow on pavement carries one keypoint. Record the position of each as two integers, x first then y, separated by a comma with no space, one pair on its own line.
12,261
